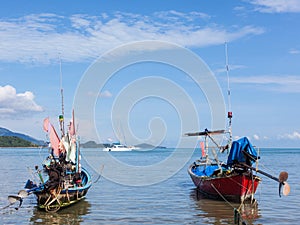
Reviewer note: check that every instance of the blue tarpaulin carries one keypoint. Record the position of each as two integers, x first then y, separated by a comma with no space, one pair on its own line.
236,155
208,171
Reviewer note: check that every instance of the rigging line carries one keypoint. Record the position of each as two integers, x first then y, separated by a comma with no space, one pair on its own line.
228,81
213,186
238,210
40,154
243,186
252,186
33,175
213,141
261,164
229,115
100,174
62,97
267,169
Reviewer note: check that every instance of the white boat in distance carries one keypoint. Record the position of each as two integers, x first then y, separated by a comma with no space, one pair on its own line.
117,147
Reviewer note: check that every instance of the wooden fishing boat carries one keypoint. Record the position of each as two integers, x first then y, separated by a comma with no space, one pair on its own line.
233,180
226,181
233,187
62,182
65,194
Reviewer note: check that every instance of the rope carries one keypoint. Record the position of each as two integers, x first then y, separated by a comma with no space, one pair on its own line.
244,187
213,186
100,174
68,197
51,208
237,215
32,174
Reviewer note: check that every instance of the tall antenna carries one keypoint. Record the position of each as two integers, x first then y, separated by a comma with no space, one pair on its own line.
229,114
61,117
227,72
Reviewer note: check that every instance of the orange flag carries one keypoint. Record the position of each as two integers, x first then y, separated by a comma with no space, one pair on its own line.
202,148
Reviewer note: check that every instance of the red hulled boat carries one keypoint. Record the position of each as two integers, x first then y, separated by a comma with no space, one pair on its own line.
231,181
236,187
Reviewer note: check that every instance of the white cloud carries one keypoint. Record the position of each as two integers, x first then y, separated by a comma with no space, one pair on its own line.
13,104
230,67
40,38
276,6
279,83
293,136
236,137
294,51
105,94
256,137
176,16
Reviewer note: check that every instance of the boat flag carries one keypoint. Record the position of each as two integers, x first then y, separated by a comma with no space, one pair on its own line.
54,139
46,124
202,148
72,125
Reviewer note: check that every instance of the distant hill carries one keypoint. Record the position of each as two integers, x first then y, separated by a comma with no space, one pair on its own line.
7,133
92,144
146,146
12,141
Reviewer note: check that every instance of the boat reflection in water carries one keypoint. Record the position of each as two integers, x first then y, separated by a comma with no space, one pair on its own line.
69,215
221,212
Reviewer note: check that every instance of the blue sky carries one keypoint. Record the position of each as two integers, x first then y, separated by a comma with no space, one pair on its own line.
263,48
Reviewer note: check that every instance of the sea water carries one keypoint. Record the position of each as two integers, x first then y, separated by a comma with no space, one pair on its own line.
173,200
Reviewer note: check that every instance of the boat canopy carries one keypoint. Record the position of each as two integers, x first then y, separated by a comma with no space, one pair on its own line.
236,154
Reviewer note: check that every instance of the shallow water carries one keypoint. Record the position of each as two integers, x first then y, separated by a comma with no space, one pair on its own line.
171,201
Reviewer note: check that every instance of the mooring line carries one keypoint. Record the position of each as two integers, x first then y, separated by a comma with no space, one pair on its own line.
236,211
222,196
100,174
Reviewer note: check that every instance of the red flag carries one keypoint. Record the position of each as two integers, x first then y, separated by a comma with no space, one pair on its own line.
202,148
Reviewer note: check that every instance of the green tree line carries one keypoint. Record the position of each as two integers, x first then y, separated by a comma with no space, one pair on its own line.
12,141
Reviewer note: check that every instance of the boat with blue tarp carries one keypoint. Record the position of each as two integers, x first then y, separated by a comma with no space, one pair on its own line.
235,179
219,180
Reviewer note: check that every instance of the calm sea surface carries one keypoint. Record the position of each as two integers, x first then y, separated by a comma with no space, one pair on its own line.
171,201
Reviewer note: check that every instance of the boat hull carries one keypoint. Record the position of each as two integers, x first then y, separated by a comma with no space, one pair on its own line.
58,198
234,187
